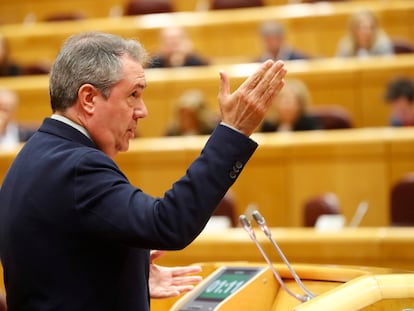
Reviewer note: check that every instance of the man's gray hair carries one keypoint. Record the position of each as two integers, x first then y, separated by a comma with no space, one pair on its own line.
91,57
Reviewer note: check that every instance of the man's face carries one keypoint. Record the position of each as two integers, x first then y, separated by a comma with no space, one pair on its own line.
273,43
402,108
115,119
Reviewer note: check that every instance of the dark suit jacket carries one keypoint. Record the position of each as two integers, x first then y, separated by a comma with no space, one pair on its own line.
75,234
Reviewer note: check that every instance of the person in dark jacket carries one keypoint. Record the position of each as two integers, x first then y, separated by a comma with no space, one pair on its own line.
75,234
175,50
290,111
273,39
8,68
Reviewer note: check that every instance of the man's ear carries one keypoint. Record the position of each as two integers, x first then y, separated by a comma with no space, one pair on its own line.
86,96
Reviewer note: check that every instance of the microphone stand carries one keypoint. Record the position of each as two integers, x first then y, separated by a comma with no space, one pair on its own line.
261,222
248,227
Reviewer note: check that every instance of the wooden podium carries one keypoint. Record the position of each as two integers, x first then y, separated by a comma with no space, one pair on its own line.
338,288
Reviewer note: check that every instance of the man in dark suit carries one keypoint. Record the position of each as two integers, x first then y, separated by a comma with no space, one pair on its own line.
74,233
273,39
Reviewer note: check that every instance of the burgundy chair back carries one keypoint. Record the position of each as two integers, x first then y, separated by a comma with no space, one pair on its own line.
402,201
139,7
323,204
233,4
332,117
227,207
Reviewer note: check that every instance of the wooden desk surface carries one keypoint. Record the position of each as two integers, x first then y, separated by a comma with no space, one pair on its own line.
313,28
363,247
357,85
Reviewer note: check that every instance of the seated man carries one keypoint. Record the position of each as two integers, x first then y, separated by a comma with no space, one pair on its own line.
400,96
175,50
273,37
11,134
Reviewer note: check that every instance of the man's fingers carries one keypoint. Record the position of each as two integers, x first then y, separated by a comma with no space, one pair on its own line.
273,81
176,271
187,280
224,88
252,81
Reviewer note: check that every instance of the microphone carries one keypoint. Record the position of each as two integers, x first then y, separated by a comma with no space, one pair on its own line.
359,214
246,224
261,222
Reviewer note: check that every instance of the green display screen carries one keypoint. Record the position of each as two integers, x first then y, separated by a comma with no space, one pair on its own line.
226,284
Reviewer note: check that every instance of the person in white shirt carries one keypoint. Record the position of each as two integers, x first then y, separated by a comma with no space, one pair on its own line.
11,134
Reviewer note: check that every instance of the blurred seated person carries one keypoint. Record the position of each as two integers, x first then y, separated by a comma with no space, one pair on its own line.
400,96
273,38
7,67
192,115
175,50
290,110
11,134
365,37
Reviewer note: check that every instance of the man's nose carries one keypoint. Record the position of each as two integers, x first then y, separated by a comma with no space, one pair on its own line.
141,111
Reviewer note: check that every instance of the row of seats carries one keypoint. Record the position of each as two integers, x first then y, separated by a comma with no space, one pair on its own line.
356,87
401,203
138,7
30,10
314,29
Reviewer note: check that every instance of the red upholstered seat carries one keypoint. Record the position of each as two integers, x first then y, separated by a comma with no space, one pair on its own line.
402,201
321,204
232,4
402,45
332,116
138,7
227,207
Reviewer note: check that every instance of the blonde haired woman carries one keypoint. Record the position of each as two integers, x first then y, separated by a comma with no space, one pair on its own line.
290,110
365,37
192,115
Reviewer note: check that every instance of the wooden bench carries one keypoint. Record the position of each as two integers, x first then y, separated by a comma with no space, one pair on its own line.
224,35
18,11
288,168
356,85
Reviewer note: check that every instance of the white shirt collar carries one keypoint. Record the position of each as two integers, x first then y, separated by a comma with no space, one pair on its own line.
71,123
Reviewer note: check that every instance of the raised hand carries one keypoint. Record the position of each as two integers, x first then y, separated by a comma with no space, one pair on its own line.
245,108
